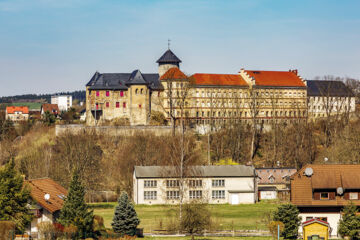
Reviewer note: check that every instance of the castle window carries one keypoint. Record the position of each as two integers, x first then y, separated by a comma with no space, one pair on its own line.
121,93
97,106
142,91
117,104
97,93
107,104
139,105
107,93
136,91
124,104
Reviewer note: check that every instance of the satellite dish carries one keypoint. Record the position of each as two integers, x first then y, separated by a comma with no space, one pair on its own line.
309,171
47,197
326,159
340,191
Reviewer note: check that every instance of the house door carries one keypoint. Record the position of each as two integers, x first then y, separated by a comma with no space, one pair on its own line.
235,198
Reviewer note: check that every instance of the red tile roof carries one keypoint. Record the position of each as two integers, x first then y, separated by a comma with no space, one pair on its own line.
13,109
51,108
173,73
276,78
279,175
40,187
315,220
218,79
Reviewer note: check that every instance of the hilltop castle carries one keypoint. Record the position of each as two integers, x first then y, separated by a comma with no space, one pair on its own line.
208,98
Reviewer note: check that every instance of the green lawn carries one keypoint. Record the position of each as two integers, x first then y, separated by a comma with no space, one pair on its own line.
207,238
224,217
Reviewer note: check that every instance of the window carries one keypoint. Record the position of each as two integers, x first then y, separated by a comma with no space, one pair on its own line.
150,195
121,93
141,91
353,196
218,183
172,194
172,183
97,106
124,104
139,105
324,196
150,183
136,91
107,93
117,104
97,93
107,104
195,183
218,194
195,194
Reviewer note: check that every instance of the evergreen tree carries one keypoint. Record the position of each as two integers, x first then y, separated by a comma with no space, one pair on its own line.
75,211
289,215
125,218
349,225
13,197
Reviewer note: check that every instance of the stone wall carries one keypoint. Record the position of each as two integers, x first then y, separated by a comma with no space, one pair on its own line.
114,130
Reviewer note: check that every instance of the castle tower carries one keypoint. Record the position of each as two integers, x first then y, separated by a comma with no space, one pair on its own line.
166,61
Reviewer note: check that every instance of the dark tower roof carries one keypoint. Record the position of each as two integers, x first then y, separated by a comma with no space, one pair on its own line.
168,57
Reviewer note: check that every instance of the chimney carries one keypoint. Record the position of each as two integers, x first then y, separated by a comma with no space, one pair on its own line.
294,71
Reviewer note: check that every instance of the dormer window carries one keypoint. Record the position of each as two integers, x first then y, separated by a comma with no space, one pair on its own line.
324,196
107,93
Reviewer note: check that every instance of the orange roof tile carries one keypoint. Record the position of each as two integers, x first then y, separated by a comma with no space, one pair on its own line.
276,78
173,73
13,109
40,187
218,79
325,176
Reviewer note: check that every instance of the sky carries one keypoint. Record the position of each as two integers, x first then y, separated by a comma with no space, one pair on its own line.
48,46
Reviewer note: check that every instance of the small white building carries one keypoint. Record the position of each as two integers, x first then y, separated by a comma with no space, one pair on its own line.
15,114
64,102
47,200
233,184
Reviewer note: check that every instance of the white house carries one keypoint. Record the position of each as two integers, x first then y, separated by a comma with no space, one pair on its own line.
233,184
47,200
64,102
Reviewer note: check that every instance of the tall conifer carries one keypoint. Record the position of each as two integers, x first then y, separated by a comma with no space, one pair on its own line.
75,211
125,219
14,197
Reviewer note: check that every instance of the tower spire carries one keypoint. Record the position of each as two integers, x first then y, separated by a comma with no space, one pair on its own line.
169,43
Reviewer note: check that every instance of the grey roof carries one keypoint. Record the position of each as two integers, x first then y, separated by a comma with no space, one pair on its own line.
328,88
168,57
122,81
195,171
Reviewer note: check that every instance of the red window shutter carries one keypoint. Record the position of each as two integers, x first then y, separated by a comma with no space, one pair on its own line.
117,104
107,104
121,93
97,93
124,104
107,93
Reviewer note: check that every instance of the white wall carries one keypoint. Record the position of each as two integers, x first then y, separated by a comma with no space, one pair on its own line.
332,218
268,195
242,186
64,102
45,217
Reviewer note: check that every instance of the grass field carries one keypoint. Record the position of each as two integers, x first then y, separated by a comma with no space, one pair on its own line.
207,238
224,217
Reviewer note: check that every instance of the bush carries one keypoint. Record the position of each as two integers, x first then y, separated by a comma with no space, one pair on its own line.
6,229
195,219
46,230
273,227
288,214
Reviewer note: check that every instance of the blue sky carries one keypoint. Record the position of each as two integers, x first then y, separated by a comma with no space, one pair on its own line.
48,46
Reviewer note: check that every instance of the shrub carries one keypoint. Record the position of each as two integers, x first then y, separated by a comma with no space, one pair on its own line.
273,227
46,230
289,215
6,229
196,218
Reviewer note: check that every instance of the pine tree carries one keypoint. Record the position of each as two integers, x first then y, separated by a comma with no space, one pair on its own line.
125,219
289,215
349,225
75,211
14,197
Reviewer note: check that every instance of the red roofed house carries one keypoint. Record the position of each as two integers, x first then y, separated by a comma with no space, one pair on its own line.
15,113
48,197
320,191
51,108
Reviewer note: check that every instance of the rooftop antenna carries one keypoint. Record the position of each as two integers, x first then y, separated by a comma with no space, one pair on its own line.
169,43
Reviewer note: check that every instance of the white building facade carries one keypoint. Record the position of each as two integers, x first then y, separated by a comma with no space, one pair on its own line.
64,102
210,184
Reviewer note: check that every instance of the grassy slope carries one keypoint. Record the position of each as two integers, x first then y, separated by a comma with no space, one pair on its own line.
226,217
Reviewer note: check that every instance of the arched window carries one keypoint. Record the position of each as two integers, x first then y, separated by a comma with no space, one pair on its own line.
141,91
136,91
